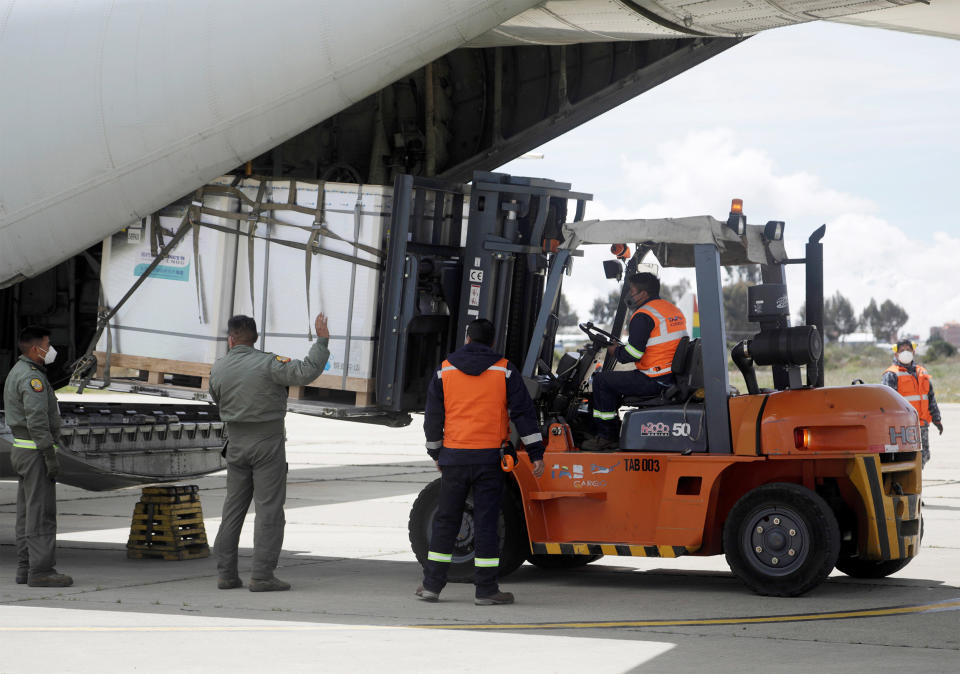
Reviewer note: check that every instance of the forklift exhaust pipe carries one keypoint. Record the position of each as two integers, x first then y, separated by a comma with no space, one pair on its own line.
743,361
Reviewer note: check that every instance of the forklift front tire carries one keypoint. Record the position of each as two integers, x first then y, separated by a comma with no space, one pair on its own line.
781,539
511,529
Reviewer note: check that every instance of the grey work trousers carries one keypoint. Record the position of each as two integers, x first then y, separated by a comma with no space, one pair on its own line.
36,531
257,471
924,443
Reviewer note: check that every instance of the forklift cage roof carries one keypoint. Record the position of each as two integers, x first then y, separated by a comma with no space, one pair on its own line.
672,240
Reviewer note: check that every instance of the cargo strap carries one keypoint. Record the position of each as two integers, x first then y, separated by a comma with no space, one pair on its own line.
318,221
195,208
357,221
252,220
317,249
154,234
237,193
103,318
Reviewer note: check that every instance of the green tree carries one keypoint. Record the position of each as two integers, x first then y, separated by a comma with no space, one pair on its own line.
735,302
938,348
885,320
838,317
673,293
566,315
869,315
604,309
735,312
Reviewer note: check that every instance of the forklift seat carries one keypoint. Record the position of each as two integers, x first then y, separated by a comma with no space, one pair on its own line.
687,369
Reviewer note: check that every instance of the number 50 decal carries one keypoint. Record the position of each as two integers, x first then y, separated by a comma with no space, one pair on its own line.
681,429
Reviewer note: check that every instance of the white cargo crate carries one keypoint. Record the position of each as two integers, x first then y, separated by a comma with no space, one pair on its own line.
168,319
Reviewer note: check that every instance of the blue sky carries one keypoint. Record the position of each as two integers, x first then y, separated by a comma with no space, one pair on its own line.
854,127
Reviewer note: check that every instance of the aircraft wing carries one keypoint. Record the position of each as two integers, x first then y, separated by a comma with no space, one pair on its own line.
111,111
939,18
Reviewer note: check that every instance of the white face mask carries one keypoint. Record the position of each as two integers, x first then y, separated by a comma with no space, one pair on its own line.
50,356
905,357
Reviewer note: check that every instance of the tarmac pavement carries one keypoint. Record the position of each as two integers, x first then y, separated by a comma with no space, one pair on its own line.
352,608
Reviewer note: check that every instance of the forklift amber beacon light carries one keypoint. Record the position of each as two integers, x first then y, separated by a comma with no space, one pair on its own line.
737,221
620,250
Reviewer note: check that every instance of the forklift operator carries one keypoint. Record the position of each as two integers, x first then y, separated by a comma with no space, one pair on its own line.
656,328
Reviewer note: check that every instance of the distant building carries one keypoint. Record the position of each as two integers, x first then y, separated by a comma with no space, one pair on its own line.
948,332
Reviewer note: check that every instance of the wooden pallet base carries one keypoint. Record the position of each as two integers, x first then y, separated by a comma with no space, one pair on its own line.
357,398
155,368
327,388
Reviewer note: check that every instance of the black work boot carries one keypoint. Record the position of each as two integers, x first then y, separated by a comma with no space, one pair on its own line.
427,595
495,599
228,583
272,584
23,572
49,579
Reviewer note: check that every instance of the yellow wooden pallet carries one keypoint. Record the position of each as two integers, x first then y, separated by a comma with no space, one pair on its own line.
166,541
167,508
168,523
168,520
143,529
194,552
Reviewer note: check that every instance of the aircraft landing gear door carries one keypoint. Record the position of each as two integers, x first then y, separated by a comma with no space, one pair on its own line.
420,289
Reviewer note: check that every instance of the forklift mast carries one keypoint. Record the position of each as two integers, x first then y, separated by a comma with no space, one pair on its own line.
498,259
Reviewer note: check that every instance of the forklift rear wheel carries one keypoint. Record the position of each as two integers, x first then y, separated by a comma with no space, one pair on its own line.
551,562
868,568
781,539
513,537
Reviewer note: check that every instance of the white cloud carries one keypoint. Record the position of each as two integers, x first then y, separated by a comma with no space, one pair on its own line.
865,255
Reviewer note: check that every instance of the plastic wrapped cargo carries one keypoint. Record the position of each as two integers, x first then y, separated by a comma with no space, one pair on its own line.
179,314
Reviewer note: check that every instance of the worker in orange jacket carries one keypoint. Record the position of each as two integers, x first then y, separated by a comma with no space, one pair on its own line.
913,382
470,403
655,329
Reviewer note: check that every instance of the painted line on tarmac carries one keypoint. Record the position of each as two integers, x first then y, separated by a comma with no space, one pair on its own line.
203,628
949,605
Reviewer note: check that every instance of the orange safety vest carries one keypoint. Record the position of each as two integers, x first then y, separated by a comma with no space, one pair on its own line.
669,327
475,407
916,389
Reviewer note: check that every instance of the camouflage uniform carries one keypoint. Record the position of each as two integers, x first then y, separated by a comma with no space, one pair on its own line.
250,387
33,416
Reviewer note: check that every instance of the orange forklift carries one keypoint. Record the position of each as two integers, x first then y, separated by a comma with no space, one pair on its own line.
788,483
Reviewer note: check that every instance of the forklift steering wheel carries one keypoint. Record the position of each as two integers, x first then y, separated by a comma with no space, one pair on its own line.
598,336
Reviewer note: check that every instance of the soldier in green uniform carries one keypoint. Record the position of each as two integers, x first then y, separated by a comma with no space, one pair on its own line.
250,387
33,416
